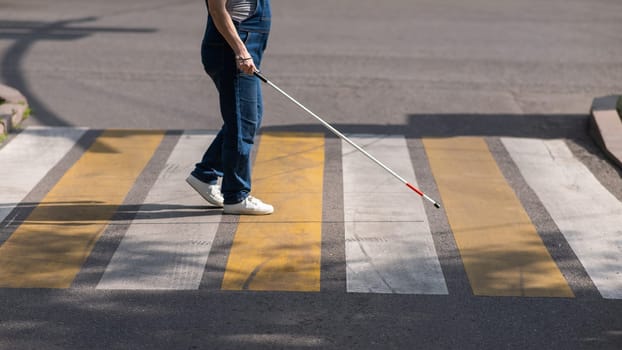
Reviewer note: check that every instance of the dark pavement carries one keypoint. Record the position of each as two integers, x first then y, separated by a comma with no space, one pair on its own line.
420,68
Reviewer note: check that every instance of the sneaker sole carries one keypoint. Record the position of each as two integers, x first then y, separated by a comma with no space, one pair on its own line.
246,212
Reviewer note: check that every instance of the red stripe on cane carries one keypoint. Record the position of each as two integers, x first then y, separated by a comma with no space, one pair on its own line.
414,189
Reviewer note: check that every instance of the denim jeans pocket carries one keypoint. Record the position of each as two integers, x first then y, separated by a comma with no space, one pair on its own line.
244,36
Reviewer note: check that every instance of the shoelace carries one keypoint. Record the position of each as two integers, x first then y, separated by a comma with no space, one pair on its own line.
253,200
214,191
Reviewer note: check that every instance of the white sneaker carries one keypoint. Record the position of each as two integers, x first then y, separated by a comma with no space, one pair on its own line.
249,206
211,193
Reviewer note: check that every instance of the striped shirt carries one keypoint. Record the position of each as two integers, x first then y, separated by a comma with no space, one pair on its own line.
241,9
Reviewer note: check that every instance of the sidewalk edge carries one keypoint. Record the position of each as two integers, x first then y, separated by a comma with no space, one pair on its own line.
606,126
13,111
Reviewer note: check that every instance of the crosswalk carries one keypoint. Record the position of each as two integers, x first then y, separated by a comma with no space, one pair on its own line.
389,249
51,231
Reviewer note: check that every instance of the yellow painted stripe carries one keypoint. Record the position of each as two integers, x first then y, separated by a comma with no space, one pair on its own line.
502,252
282,251
47,250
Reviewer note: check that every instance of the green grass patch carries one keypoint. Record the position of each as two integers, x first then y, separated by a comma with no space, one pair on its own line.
27,113
619,106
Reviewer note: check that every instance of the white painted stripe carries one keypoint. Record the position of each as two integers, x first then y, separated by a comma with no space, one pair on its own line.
389,246
27,158
585,212
167,244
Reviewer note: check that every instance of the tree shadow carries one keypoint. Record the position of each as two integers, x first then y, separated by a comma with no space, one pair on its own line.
269,320
25,34
64,213
574,128
262,320
544,126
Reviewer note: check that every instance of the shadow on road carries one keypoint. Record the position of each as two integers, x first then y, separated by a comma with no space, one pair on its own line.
570,126
262,320
574,128
25,34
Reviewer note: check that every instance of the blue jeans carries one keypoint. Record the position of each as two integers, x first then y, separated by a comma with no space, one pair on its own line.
241,107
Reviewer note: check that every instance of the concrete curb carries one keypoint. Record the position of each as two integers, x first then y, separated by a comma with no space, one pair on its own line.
606,126
13,111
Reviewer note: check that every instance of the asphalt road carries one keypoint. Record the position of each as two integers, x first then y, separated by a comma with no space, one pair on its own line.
421,68
137,64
